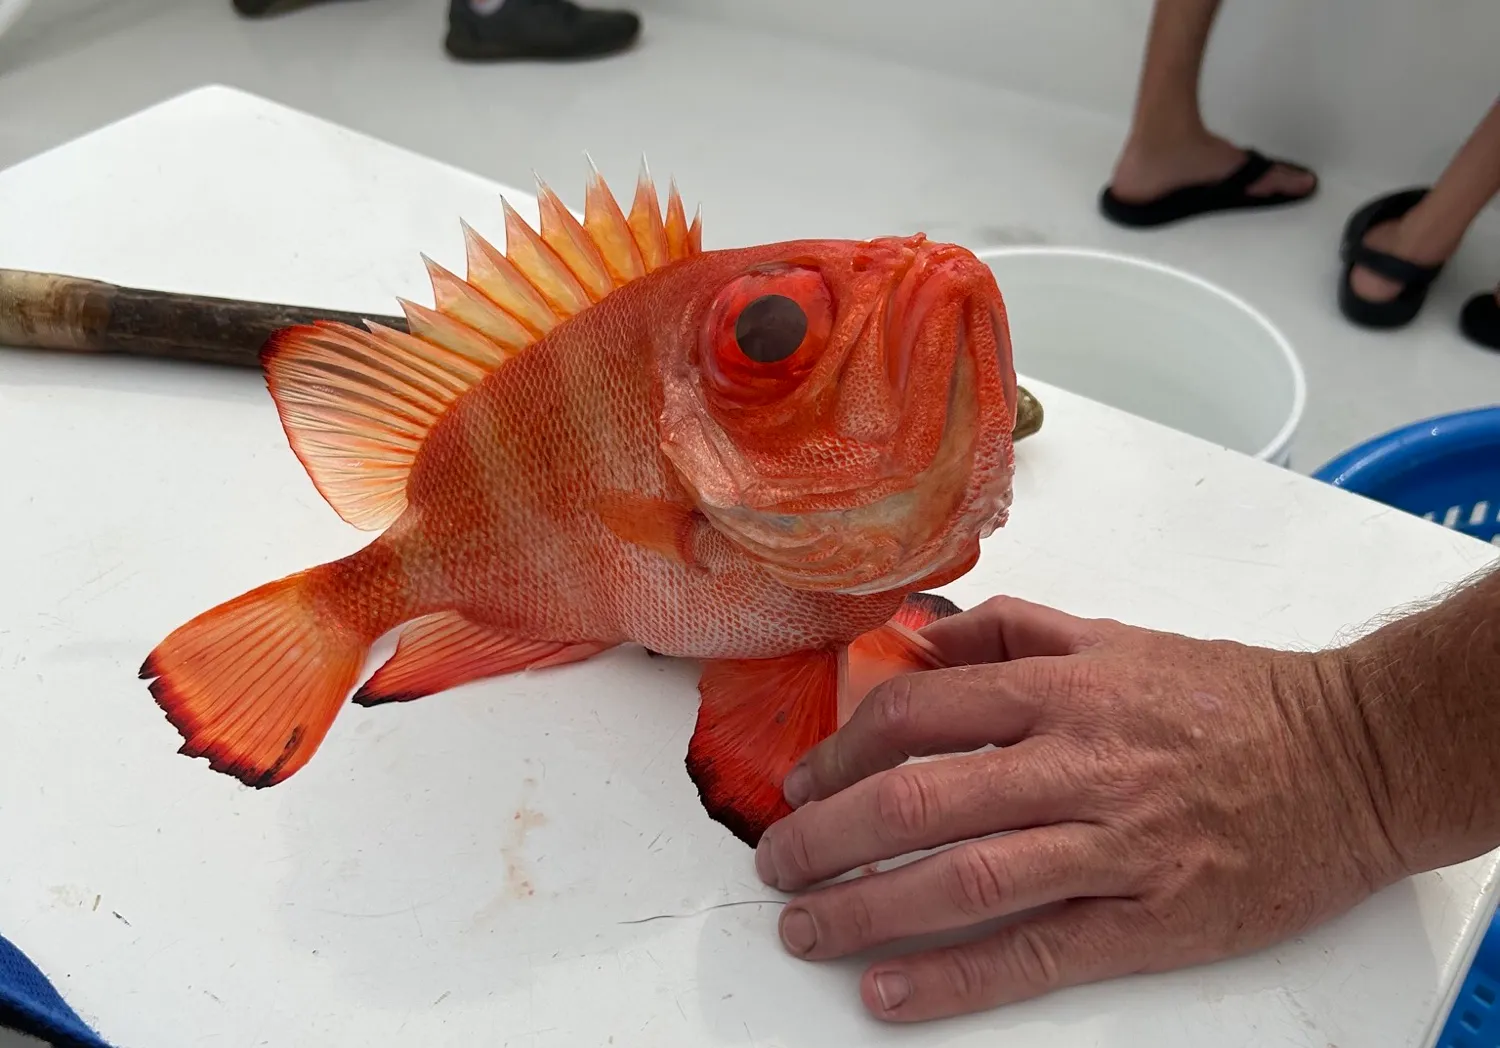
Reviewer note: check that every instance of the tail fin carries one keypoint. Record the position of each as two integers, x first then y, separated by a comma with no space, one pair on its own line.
255,684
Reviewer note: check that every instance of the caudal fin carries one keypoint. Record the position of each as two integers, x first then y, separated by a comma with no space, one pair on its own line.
255,683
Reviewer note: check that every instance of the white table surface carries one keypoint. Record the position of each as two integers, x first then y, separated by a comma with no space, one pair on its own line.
470,869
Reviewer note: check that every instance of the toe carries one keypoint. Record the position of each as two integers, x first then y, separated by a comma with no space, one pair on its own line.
1372,287
1283,178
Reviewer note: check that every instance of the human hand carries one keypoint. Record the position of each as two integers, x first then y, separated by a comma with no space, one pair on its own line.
1178,800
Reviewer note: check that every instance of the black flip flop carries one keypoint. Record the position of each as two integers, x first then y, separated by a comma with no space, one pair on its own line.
1230,193
1415,279
1480,320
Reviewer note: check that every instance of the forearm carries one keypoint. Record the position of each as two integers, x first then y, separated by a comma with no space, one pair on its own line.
1426,693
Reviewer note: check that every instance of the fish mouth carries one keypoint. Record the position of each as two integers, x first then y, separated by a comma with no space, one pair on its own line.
935,276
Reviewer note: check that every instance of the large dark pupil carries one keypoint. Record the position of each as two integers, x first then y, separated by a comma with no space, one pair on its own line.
770,329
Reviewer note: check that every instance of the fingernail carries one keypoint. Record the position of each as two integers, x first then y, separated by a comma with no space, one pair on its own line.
765,866
798,931
797,786
893,989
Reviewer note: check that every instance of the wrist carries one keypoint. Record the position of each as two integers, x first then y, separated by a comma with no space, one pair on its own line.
1422,701
1368,732
1328,691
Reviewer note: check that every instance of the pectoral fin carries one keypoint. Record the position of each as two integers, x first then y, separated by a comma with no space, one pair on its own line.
894,649
758,717
655,524
756,720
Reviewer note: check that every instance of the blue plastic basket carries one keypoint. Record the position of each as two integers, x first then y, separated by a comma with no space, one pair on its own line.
1446,469
1474,1021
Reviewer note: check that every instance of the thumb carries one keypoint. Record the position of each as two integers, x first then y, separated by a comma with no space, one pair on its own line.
1003,629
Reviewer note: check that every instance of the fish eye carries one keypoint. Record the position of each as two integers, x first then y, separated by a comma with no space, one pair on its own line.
770,328
764,333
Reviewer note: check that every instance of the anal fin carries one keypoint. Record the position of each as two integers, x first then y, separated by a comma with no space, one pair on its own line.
445,650
756,719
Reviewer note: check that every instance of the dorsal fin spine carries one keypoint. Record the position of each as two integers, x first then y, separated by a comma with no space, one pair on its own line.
548,274
453,334
497,278
565,235
609,229
676,224
646,223
462,301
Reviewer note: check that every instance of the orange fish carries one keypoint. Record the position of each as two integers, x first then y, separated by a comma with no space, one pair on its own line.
755,457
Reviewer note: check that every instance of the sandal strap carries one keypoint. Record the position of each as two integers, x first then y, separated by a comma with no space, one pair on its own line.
1248,173
1392,268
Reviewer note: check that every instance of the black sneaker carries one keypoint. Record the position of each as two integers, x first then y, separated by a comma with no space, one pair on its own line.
261,8
521,29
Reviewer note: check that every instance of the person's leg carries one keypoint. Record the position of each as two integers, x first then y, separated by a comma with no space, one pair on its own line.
495,30
1168,146
1431,231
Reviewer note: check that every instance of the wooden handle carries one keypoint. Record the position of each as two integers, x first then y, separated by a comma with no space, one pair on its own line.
1028,414
43,311
49,311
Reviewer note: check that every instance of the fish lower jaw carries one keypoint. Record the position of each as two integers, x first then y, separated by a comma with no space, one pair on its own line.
860,551
888,583
984,515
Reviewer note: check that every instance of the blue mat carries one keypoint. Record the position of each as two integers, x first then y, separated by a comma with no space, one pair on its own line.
30,1004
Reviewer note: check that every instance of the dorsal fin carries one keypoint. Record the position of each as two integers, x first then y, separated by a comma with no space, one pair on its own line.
357,405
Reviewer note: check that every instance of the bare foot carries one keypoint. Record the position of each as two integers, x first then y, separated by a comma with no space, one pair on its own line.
1145,172
1405,238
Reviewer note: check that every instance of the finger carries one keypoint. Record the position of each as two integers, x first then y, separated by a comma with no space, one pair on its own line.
1003,629
953,710
956,888
917,807
1080,942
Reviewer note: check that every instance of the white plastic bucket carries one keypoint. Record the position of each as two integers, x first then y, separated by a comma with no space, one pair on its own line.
10,13
1154,341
